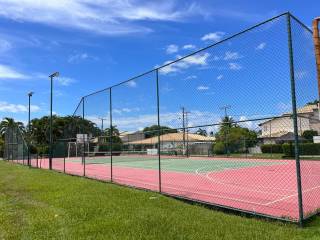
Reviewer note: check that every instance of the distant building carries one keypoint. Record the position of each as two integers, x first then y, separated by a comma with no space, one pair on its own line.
176,142
280,129
129,137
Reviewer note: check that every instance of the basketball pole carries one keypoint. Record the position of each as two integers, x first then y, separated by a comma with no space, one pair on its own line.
316,40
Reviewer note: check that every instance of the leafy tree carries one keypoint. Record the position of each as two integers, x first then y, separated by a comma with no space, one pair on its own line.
62,127
104,143
153,131
201,132
234,137
312,103
309,134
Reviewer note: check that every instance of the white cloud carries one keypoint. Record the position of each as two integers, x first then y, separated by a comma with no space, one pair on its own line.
214,36
216,58
4,46
191,77
125,110
189,46
261,46
111,17
17,108
131,84
231,56
284,107
7,72
202,88
247,124
300,74
65,81
172,48
235,66
219,77
171,119
199,59
76,58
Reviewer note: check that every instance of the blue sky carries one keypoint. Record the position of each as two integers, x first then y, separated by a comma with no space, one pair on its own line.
95,44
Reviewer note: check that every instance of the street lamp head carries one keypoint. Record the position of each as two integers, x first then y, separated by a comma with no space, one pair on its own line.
30,94
56,74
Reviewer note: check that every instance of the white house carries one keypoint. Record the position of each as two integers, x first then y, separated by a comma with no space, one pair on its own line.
280,129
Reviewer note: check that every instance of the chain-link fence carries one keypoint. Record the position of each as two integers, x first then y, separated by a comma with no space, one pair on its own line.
15,147
233,125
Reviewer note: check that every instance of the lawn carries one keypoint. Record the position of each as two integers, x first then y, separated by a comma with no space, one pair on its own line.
39,204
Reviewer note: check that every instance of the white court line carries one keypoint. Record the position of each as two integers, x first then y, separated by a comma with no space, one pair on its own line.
290,196
240,187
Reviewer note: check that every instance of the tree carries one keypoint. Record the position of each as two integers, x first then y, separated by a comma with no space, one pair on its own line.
62,128
1,147
234,137
201,132
312,103
153,131
309,134
111,134
7,123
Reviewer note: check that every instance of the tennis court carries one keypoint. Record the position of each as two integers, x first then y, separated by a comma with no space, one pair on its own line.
261,186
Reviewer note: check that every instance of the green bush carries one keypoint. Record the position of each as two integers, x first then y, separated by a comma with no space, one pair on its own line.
272,148
33,149
219,148
304,149
106,147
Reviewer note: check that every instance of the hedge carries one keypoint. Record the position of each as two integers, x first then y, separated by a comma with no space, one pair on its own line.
271,148
304,149
218,148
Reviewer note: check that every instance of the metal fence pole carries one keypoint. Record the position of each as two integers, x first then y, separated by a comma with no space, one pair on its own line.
84,141
111,133
64,157
295,122
158,116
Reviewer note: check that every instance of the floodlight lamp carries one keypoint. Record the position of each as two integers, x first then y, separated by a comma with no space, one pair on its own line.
56,74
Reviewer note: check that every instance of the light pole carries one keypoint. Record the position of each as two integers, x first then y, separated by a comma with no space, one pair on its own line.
29,126
56,74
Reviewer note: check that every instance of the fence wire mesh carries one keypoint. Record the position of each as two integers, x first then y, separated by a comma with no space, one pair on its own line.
220,126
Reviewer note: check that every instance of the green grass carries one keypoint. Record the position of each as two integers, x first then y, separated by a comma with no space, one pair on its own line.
39,204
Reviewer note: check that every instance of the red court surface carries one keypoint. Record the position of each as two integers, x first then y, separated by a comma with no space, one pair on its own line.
265,190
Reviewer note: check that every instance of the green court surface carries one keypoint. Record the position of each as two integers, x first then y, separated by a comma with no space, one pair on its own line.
176,164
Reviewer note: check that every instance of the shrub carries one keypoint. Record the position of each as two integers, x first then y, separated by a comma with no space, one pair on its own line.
106,147
33,149
304,149
219,148
271,148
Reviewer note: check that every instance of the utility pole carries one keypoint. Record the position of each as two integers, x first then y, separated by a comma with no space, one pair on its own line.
226,132
184,126
102,120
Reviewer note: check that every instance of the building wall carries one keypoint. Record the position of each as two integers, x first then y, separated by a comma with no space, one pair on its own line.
284,125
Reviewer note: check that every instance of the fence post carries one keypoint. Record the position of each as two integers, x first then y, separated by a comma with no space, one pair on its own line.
111,133
158,117
64,157
294,116
84,141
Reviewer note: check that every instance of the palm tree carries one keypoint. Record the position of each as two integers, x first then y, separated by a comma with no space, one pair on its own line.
202,132
8,123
